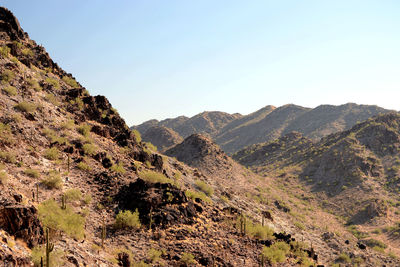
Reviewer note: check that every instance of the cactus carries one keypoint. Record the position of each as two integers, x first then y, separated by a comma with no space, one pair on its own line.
37,192
49,248
63,205
41,261
68,162
244,226
103,233
151,218
262,260
262,220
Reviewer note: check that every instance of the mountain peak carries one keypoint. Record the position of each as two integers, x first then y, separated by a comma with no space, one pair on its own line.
9,26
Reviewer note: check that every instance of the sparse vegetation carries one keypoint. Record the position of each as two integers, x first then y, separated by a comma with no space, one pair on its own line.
34,85
8,157
25,106
187,258
3,177
73,194
7,76
70,81
53,82
127,219
32,173
205,187
10,90
4,51
197,194
118,168
52,99
343,257
53,180
276,253
89,149
66,220
83,166
84,129
155,177
27,52
52,153
137,135
39,252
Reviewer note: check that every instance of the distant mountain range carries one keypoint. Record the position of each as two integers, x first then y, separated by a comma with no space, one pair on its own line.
234,132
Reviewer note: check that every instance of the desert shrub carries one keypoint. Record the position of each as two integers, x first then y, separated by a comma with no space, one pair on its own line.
154,177
277,252
154,255
27,52
204,187
5,134
89,149
8,157
7,76
84,129
187,258
299,225
83,166
343,257
69,124
10,90
87,199
3,177
196,194
127,219
259,232
25,106
357,233
137,135
54,138
4,51
56,256
374,243
52,153
52,99
53,180
70,81
32,173
119,168
150,146
141,264
73,194
53,82
34,85
54,217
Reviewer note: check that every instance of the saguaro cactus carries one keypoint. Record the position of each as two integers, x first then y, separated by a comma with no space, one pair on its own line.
63,204
49,248
103,233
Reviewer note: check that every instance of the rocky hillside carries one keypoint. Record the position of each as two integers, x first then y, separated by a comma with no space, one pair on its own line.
353,173
79,188
270,123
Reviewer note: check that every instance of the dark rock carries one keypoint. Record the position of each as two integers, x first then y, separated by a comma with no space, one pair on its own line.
361,245
107,163
166,203
123,259
22,222
283,237
281,207
347,242
73,260
9,25
18,198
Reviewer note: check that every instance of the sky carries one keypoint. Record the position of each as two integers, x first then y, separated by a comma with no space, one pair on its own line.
157,59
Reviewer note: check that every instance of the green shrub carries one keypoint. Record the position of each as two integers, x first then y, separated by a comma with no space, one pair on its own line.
87,199
150,146
196,194
5,134
7,76
137,135
52,99
10,90
54,217
343,257
84,129
8,157
277,252
27,52
73,194
119,168
3,177
34,85
187,258
204,187
53,82
25,106
56,256
83,166
53,180
155,177
154,255
259,232
52,153
4,51
127,219
70,81
299,225
375,243
89,149
32,173
69,124
54,138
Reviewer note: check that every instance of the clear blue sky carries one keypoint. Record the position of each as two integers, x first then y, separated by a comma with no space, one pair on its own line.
160,59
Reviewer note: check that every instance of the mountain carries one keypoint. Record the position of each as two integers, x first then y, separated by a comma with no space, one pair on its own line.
79,188
270,123
162,137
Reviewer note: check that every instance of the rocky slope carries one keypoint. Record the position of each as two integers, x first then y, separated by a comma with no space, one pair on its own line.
270,123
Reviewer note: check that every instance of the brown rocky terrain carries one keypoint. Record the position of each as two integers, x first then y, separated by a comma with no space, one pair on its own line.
73,174
270,123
